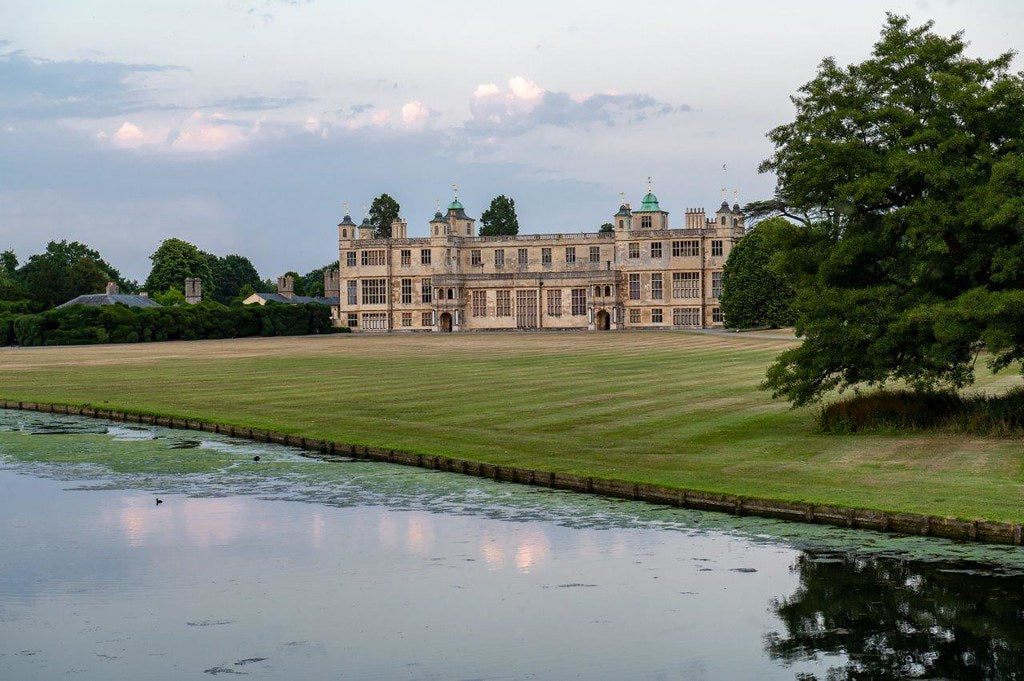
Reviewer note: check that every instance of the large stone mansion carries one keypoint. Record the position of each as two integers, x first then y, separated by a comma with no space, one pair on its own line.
642,274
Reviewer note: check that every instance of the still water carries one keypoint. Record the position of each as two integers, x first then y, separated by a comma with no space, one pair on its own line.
291,568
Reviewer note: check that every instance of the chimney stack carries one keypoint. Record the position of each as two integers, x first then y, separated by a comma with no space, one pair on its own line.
193,290
332,284
286,286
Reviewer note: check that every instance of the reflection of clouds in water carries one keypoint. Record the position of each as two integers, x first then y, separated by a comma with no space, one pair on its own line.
134,521
317,525
387,530
419,532
522,547
492,552
531,550
211,522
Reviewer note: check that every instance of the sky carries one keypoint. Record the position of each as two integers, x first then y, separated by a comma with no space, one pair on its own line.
243,126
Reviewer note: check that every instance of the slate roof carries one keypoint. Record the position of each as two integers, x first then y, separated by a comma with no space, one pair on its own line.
294,300
97,299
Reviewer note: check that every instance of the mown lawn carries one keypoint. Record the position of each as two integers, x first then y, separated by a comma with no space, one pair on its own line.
672,408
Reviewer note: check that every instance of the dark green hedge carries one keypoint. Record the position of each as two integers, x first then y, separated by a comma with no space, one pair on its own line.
82,325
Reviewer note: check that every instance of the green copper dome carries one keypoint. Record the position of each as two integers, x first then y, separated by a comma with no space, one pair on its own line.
650,203
455,205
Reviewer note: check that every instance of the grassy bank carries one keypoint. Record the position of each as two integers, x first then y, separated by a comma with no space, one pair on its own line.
669,408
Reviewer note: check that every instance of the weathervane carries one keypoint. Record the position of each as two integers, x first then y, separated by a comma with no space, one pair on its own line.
437,204
725,193
650,186
622,198
344,206
455,189
736,196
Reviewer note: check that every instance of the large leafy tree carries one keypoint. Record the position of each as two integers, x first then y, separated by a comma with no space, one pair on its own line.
500,218
231,274
908,171
65,270
173,262
313,281
383,211
753,292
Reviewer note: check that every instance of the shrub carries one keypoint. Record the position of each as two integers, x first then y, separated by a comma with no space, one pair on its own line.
907,410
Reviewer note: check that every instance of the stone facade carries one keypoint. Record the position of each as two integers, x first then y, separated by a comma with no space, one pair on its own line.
642,274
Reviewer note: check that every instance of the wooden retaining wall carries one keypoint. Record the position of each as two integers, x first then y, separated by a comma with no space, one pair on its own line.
985,531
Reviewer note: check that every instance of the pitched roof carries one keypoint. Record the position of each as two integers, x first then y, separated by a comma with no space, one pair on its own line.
97,299
295,300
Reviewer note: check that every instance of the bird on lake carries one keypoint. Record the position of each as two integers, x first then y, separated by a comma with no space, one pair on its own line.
159,501
255,458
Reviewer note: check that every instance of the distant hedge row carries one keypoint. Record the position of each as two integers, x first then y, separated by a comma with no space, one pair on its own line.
83,325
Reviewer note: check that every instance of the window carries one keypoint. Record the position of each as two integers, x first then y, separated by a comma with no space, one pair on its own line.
407,319
523,256
570,255
499,257
426,289
595,254
406,291
723,219
716,284
634,315
597,291
503,303
620,223
474,256
656,316
406,257
425,256
686,249
685,285
716,315
373,257
645,222
374,291
655,249
353,319
554,302
545,256
634,286
686,316
579,302
634,249
375,321
350,258
656,286
353,292
427,319
479,303
716,248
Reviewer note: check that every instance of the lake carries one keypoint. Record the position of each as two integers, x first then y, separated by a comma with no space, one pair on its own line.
295,568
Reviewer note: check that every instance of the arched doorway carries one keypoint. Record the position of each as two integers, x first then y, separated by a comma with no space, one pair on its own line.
603,320
446,322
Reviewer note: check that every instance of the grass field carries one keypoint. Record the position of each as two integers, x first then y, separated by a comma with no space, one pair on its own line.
679,409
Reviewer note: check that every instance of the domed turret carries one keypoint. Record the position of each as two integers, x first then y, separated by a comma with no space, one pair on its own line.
346,228
649,203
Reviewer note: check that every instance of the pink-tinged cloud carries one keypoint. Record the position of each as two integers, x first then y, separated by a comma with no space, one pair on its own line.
196,134
414,113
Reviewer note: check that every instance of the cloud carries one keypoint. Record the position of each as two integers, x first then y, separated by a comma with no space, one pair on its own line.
414,113
524,105
258,103
198,133
40,88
